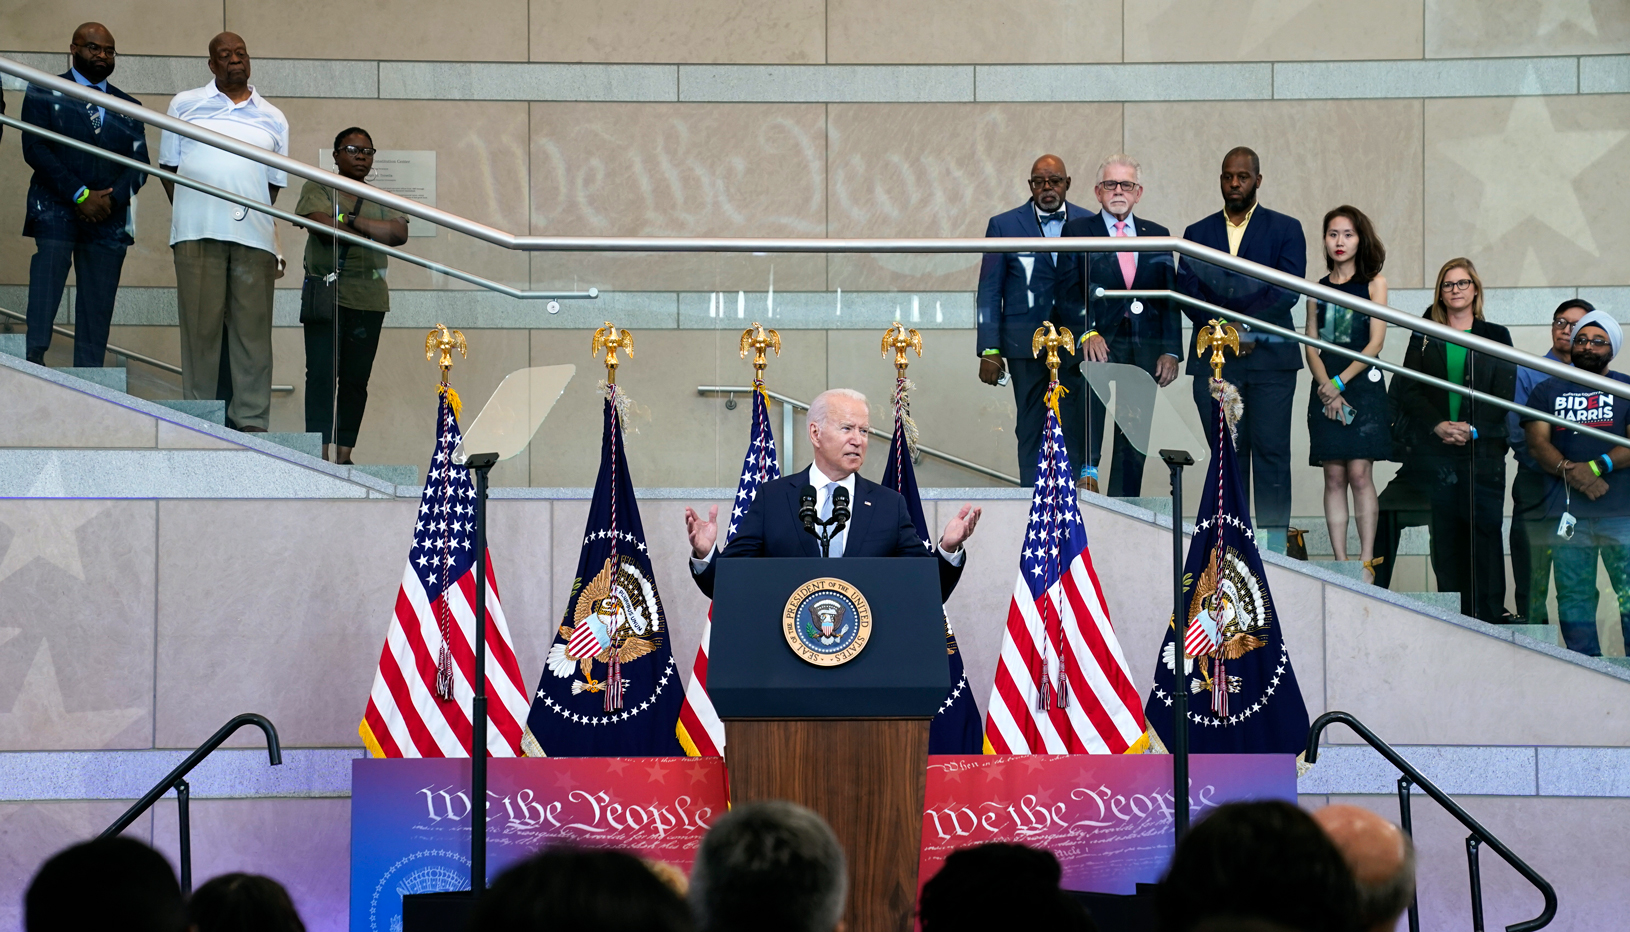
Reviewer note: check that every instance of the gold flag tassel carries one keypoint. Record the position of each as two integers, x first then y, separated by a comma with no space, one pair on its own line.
899,338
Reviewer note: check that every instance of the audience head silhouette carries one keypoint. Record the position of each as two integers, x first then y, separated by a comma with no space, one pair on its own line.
769,865
998,886
242,903
570,889
108,883
1381,858
1265,861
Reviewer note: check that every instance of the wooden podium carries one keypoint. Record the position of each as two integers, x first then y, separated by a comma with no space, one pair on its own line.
849,741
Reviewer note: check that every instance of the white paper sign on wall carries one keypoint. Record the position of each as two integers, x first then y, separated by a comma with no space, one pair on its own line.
409,173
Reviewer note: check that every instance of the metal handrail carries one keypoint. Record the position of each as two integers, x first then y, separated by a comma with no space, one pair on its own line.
295,219
131,355
177,780
1326,347
811,245
1479,834
804,406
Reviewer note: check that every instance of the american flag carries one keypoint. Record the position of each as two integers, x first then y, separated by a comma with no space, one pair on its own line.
420,702
699,728
1062,685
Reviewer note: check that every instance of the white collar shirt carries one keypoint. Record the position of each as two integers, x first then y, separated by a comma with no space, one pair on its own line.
196,215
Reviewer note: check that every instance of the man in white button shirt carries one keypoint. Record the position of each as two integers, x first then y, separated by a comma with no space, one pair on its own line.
880,526
225,254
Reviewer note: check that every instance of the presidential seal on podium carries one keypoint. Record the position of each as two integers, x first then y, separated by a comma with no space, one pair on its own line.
827,622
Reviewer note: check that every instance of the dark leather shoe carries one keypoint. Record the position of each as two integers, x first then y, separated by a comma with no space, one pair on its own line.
37,357
252,430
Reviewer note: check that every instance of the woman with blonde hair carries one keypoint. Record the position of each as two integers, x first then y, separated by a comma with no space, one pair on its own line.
1461,444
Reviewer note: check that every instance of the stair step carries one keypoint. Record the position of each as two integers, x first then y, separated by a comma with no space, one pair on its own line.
1351,568
396,475
14,344
1549,634
1620,661
1155,503
116,379
1448,601
310,444
213,411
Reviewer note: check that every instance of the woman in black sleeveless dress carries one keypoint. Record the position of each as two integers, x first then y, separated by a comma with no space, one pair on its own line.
1347,421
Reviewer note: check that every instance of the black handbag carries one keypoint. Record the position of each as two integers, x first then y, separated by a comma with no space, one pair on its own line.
320,294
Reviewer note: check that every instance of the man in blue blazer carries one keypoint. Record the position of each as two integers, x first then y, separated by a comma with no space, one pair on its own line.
880,526
1019,292
1147,333
1265,371
78,203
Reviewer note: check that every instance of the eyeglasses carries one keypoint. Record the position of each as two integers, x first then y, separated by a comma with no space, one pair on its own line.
1113,186
1593,342
357,150
94,50
1461,285
1052,182
1561,323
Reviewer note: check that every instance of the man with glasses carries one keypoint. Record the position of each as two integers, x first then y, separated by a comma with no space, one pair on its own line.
226,254
1265,369
1531,535
1020,291
1137,332
78,203
1590,494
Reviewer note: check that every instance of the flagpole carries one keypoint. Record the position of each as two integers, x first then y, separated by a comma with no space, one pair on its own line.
1176,460
481,464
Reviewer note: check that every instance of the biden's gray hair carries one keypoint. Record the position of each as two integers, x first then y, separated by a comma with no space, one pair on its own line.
821,408
769,865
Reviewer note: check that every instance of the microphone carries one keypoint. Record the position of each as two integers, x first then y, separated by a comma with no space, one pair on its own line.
806,508
840,508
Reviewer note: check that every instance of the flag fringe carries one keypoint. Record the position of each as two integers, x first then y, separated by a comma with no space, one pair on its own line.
453,401
368,739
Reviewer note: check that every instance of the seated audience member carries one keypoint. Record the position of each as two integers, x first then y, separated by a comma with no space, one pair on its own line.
363,296
1382,859
570,889
242,903
1590,496
1530,539
1459,444
998,886
1263,860
105,884
769,865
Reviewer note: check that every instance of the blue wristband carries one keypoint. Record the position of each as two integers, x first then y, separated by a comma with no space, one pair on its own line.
1474,433
81,194
1338,383
1607,463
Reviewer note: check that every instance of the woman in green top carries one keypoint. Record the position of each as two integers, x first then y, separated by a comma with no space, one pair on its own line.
363,296
1460,445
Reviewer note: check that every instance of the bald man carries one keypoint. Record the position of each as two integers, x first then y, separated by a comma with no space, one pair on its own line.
1020,291
1382,859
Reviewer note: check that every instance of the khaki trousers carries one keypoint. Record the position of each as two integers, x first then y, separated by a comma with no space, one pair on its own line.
226,284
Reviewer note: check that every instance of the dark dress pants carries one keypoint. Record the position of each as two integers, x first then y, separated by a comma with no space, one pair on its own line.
359,342
1125,462
1263,444
1532,534
1030,380
1466,494
97,261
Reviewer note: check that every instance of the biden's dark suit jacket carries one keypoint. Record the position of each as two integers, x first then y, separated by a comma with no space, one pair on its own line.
880,526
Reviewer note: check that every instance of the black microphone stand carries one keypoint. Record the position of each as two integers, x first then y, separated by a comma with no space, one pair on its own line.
1176,460
480,464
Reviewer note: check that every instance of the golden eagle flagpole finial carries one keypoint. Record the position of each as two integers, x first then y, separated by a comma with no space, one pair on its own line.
900,338
1217,336
446,341
757,339
611,340
1054,339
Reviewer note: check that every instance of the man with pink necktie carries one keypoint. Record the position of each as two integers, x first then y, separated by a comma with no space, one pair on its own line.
1147,332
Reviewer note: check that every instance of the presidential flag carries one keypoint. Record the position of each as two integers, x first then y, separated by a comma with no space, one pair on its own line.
1243,696
609,686
699,730
955,729
1062,685
420,702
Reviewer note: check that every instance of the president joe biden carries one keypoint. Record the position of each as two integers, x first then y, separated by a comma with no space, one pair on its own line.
879,526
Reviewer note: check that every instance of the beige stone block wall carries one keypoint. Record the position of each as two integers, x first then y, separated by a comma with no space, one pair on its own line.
483,30
1456,28
791,32
153,27
1272,30
904,31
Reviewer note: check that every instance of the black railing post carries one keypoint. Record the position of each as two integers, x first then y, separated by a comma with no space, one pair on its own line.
1406,821
183,821
1476,874
1176,460
480,464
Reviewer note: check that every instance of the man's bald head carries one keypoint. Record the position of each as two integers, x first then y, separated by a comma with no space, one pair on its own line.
92,32
1049,182
223,39
1381,858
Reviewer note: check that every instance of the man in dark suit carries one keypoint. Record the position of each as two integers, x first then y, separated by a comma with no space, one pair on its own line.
1265,371
79,204
1143,333
879,526
1019,292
